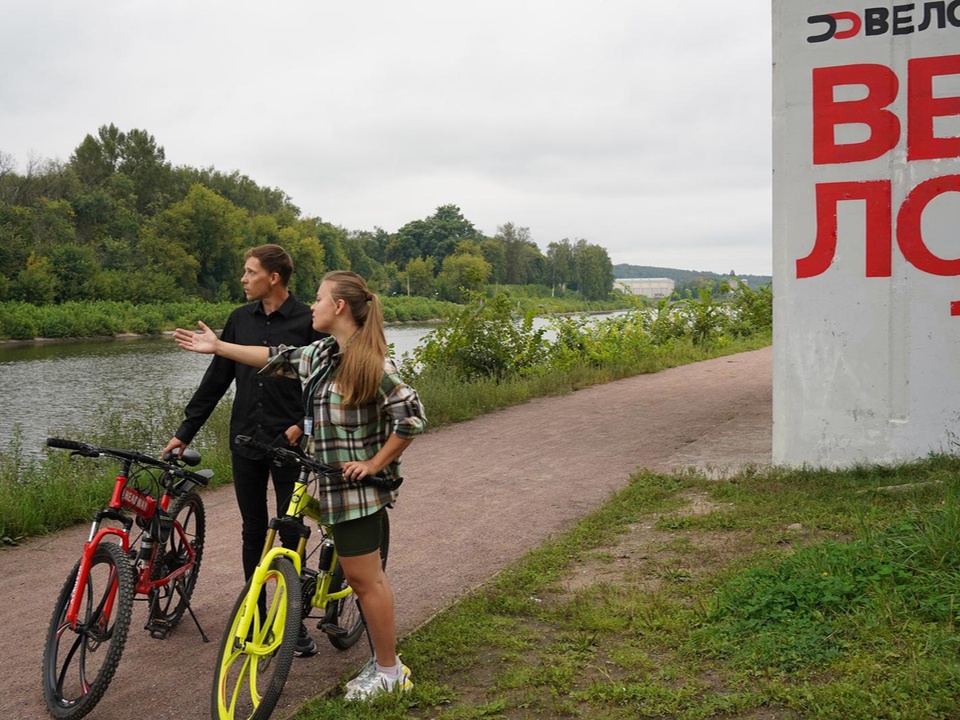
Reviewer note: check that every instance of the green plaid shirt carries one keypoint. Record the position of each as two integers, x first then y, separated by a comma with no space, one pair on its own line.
344,432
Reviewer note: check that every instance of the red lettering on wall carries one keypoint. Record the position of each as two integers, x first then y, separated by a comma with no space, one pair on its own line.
923,107
882,87
855,24
879,240
909,235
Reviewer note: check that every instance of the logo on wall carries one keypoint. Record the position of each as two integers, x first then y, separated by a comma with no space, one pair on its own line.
900,20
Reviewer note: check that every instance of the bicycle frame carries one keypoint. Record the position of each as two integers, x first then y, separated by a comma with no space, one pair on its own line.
91,618
302,504
143,506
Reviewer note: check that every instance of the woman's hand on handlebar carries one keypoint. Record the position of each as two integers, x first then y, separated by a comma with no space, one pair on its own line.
203,342
357,470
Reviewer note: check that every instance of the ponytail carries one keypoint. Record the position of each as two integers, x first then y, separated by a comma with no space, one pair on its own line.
361,369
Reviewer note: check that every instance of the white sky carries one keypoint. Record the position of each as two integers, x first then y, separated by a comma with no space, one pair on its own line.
641,127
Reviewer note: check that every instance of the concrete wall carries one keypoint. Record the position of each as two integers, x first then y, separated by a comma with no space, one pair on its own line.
866,319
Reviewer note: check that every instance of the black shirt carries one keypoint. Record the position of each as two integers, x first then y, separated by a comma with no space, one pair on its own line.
262,407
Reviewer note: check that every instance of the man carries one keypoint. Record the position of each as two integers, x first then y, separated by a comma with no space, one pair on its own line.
264,409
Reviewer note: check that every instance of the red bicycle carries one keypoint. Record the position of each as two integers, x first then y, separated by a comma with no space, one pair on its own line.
159,561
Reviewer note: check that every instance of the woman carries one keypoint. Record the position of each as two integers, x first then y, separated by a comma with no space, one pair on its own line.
359,416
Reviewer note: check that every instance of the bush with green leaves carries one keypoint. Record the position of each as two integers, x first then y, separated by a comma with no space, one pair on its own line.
751,309
490,338
615,341
18,321
483,339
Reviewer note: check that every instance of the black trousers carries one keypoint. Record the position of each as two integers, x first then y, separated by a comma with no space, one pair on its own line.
250,480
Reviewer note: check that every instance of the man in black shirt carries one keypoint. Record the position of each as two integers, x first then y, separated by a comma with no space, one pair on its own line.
265,409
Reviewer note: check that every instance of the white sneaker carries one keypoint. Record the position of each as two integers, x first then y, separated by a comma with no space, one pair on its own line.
369,683
366,672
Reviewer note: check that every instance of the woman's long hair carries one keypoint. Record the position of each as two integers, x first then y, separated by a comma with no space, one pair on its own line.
361,369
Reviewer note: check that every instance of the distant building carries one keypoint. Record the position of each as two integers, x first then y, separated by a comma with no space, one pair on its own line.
648,287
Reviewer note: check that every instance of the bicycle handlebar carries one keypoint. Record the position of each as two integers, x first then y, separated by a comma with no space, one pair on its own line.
288,456
169,463
68,445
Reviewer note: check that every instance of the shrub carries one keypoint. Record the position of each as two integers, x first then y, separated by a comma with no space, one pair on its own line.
483,340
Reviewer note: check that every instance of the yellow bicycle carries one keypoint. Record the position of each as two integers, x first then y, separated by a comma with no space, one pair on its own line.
258,646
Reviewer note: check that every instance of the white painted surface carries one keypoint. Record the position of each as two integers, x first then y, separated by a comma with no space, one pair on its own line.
866,369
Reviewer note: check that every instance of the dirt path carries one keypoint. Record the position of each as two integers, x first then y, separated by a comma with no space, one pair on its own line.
478,494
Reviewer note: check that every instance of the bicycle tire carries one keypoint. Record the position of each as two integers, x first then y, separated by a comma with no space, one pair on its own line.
71,657
247,686
172,599
345,614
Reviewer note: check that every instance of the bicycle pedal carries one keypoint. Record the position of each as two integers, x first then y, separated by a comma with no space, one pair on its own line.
158,629
331,629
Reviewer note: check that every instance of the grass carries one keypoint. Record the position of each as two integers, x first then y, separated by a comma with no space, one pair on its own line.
770,594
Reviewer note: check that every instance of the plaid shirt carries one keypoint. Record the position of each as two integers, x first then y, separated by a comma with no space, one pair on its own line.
344,432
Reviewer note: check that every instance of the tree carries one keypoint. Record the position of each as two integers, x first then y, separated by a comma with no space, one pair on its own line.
135,155
213,231
36,283
97,158
594,271
559,265
238,189
436,236
165,257
51,224
144,162
93,211
15,238
404,246
444,229
494,252
331,237
419,272
519,260
74,267
360,262
309,261
461,273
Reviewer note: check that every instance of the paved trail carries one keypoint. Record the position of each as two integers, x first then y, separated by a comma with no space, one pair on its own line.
478,494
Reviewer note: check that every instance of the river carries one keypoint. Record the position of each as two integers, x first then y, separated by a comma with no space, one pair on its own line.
56,386
48,388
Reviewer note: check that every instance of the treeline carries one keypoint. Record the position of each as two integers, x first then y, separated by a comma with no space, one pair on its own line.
117,222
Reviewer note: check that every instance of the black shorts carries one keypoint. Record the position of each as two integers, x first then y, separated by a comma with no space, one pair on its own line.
359,537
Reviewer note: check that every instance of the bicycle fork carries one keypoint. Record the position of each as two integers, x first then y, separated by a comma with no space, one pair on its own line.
243,640
96,536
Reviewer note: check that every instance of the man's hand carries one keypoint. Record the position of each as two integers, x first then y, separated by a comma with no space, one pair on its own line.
293,434
175,444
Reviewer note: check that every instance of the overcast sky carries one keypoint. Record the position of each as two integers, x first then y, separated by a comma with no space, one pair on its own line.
640,127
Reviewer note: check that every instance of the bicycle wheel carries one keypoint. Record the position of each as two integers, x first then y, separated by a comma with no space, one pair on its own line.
343,621
248,681
173,598
79,663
